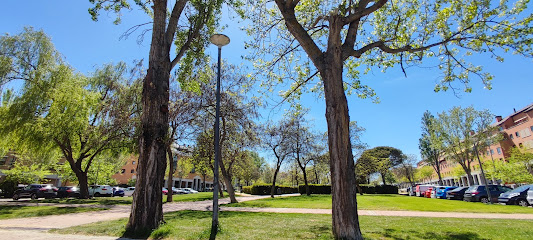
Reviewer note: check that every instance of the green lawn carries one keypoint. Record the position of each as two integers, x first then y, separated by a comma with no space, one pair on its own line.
243,225
7,212
201,196
386,202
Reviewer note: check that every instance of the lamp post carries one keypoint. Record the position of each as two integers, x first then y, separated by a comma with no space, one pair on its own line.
219,40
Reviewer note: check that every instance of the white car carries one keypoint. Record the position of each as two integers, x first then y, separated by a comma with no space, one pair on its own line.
100,190
530,197
129,191
189,190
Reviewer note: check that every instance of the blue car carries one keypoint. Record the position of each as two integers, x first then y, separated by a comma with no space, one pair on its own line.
441,192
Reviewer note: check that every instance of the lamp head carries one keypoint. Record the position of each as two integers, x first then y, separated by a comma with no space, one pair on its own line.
219,39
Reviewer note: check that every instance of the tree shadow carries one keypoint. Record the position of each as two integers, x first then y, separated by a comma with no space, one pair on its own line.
402,235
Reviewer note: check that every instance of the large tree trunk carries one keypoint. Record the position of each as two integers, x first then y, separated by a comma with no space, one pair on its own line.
383,178
273,189
147,207
84,184
170,174
344,204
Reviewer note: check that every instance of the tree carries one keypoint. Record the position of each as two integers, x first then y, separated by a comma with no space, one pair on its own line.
407,168
457,128
430,143
276,139
83,117
374,33
198,18
237,115
424,173
518,169
381,160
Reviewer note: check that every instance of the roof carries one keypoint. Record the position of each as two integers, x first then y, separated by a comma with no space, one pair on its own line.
526,109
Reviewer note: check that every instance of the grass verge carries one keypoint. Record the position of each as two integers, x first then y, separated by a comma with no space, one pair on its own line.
385,202
244,225
8,212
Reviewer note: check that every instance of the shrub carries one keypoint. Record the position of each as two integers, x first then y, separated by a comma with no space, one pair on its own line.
380,189
264,189
247,189
316,189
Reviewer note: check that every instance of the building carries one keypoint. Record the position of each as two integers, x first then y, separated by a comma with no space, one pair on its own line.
191,179
8,161
516,130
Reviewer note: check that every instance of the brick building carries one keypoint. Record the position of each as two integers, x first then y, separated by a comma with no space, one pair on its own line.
517,131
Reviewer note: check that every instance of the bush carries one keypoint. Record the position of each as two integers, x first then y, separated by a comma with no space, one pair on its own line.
380,189
316,189
368,189
247,189
8,188
264,189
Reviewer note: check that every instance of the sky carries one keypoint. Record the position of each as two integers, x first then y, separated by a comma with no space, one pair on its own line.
395,121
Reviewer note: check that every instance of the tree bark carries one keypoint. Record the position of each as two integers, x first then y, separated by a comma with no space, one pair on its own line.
170,174
220,191
84,184
344,204
227,180
307,191
383,178
147,207
273,189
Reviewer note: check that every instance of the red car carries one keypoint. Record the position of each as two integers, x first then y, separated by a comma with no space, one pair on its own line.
165,191
428,192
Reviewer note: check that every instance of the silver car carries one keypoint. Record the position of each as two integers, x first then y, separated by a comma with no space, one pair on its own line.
530,197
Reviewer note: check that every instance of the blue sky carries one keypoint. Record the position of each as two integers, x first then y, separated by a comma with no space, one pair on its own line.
393,122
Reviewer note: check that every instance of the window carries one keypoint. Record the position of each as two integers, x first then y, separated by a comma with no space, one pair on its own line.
132,171
133,162
499,150
531,128
500,128
517,134
123,170
511,136
491,152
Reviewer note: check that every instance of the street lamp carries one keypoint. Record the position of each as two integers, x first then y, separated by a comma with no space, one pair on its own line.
219,40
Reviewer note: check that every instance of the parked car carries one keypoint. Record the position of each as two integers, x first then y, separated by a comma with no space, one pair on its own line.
178,191
478,193
516,197
165,191
456,194
428,192
35,191
68,191
435,190
441,192
117,191
100,190
529,197
189,190
421,190
129,191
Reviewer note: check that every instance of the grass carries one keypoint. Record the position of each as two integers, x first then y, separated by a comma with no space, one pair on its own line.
245,225
201,196
385,202
8,212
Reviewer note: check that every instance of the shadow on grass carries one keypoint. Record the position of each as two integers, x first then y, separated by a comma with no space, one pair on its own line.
402,235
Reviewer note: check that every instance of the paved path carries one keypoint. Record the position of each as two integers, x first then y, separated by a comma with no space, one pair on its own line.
36,227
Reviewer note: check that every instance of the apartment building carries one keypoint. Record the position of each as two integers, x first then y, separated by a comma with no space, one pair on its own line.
517,131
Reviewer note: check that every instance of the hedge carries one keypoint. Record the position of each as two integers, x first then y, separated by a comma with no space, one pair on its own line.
326,189
264,189
316,189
